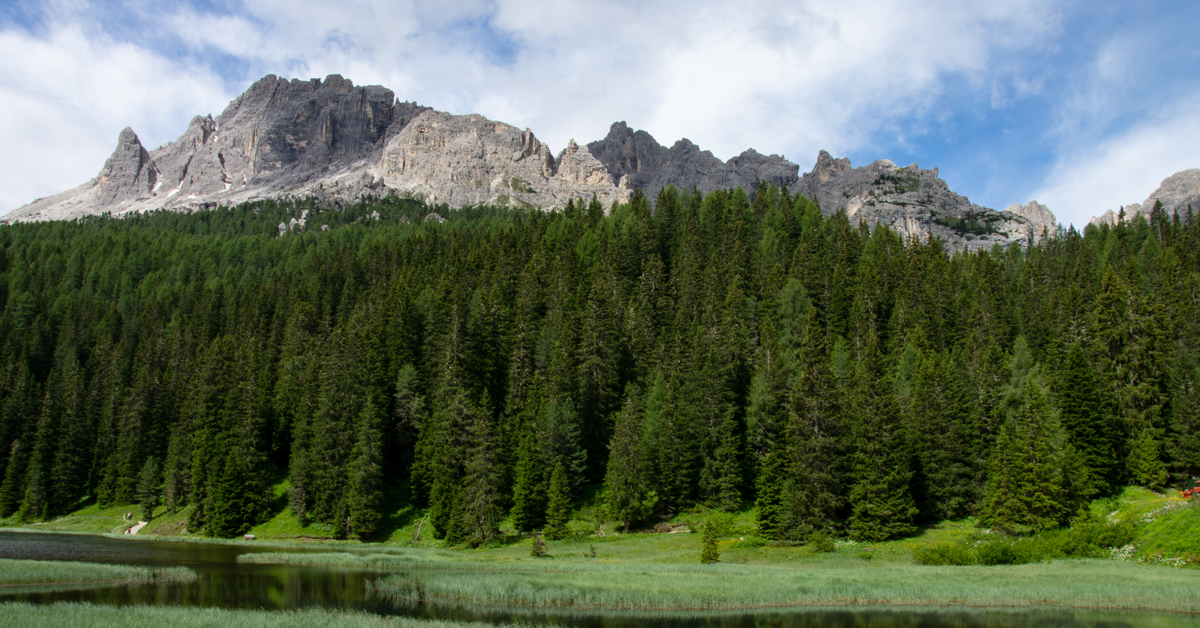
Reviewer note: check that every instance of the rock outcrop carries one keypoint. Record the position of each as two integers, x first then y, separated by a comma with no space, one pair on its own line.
468,160
1178,193
917,203
651,166
338,142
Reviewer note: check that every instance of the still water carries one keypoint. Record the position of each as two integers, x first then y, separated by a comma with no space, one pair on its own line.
222,582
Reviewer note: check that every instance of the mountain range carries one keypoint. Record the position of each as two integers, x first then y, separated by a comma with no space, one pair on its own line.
339,143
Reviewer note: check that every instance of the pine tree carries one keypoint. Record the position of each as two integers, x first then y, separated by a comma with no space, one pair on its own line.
727,464
529,488
1031,473
816,490
149,488
1084,418
939,432
626,482
558,504
366,476
771,485
881,500
479,510
709,552
13,488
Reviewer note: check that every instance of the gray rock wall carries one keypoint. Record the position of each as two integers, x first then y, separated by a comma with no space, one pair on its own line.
338,142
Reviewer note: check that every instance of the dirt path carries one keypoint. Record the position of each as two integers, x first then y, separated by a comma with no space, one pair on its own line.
139,526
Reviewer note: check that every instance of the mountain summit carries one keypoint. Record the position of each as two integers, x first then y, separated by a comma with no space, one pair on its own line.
339,142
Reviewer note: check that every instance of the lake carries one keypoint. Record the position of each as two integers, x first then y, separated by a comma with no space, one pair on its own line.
223,582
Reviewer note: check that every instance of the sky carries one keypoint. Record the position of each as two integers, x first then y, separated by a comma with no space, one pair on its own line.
1083,106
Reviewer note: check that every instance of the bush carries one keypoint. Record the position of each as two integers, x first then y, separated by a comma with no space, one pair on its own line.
998,552
821,542
944,554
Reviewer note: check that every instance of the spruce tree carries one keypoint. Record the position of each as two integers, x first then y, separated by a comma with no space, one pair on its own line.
709,552
1085,420
558,504
815,494
366,476
939,431
479,510
149,488
771,491
881,501
625,483
13,487
727,464
1031,473
529,487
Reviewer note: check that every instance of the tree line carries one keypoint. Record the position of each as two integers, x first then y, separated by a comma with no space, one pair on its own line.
718,350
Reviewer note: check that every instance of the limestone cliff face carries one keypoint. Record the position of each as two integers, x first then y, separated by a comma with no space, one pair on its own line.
917,203
651,166
278,137
1178,194
468,160
339,142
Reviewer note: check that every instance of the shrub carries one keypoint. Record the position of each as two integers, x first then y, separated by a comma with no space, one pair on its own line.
998,552
944,554
821,542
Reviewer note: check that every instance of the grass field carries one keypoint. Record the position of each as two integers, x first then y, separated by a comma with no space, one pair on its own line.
575,583
18,615
38,572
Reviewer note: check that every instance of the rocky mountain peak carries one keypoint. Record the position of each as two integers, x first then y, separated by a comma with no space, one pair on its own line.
827,168
128,174
1178,194
338,142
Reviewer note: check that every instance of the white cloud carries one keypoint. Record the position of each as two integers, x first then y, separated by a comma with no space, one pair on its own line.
1124,168
64,103
781,76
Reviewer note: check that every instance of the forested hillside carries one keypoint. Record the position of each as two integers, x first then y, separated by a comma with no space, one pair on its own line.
717,351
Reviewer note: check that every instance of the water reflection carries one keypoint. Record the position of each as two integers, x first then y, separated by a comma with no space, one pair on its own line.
223,582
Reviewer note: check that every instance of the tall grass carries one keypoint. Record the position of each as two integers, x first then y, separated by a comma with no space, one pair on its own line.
20,615
39,572
580,587
388,559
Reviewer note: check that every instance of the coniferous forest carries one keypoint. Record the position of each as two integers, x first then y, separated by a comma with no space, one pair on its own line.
728,351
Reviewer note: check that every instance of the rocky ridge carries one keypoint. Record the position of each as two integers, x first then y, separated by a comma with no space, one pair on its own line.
1178,194
339,142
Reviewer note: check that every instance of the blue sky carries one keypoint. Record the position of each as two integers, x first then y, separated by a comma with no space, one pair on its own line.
1082,106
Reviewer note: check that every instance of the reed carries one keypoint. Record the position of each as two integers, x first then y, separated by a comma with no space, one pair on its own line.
1085,584
22,615
55,572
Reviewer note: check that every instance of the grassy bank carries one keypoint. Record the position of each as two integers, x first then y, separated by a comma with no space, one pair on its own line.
835,579
17,615
46,572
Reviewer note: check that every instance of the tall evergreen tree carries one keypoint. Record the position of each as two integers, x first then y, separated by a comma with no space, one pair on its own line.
558,504
149,488
816,492
626,483
881,500
1034,471
1084,417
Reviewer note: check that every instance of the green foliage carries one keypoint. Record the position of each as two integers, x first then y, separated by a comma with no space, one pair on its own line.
349,360
558,504
709,553
626,481
1033,481
944,554
538,550
149,488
